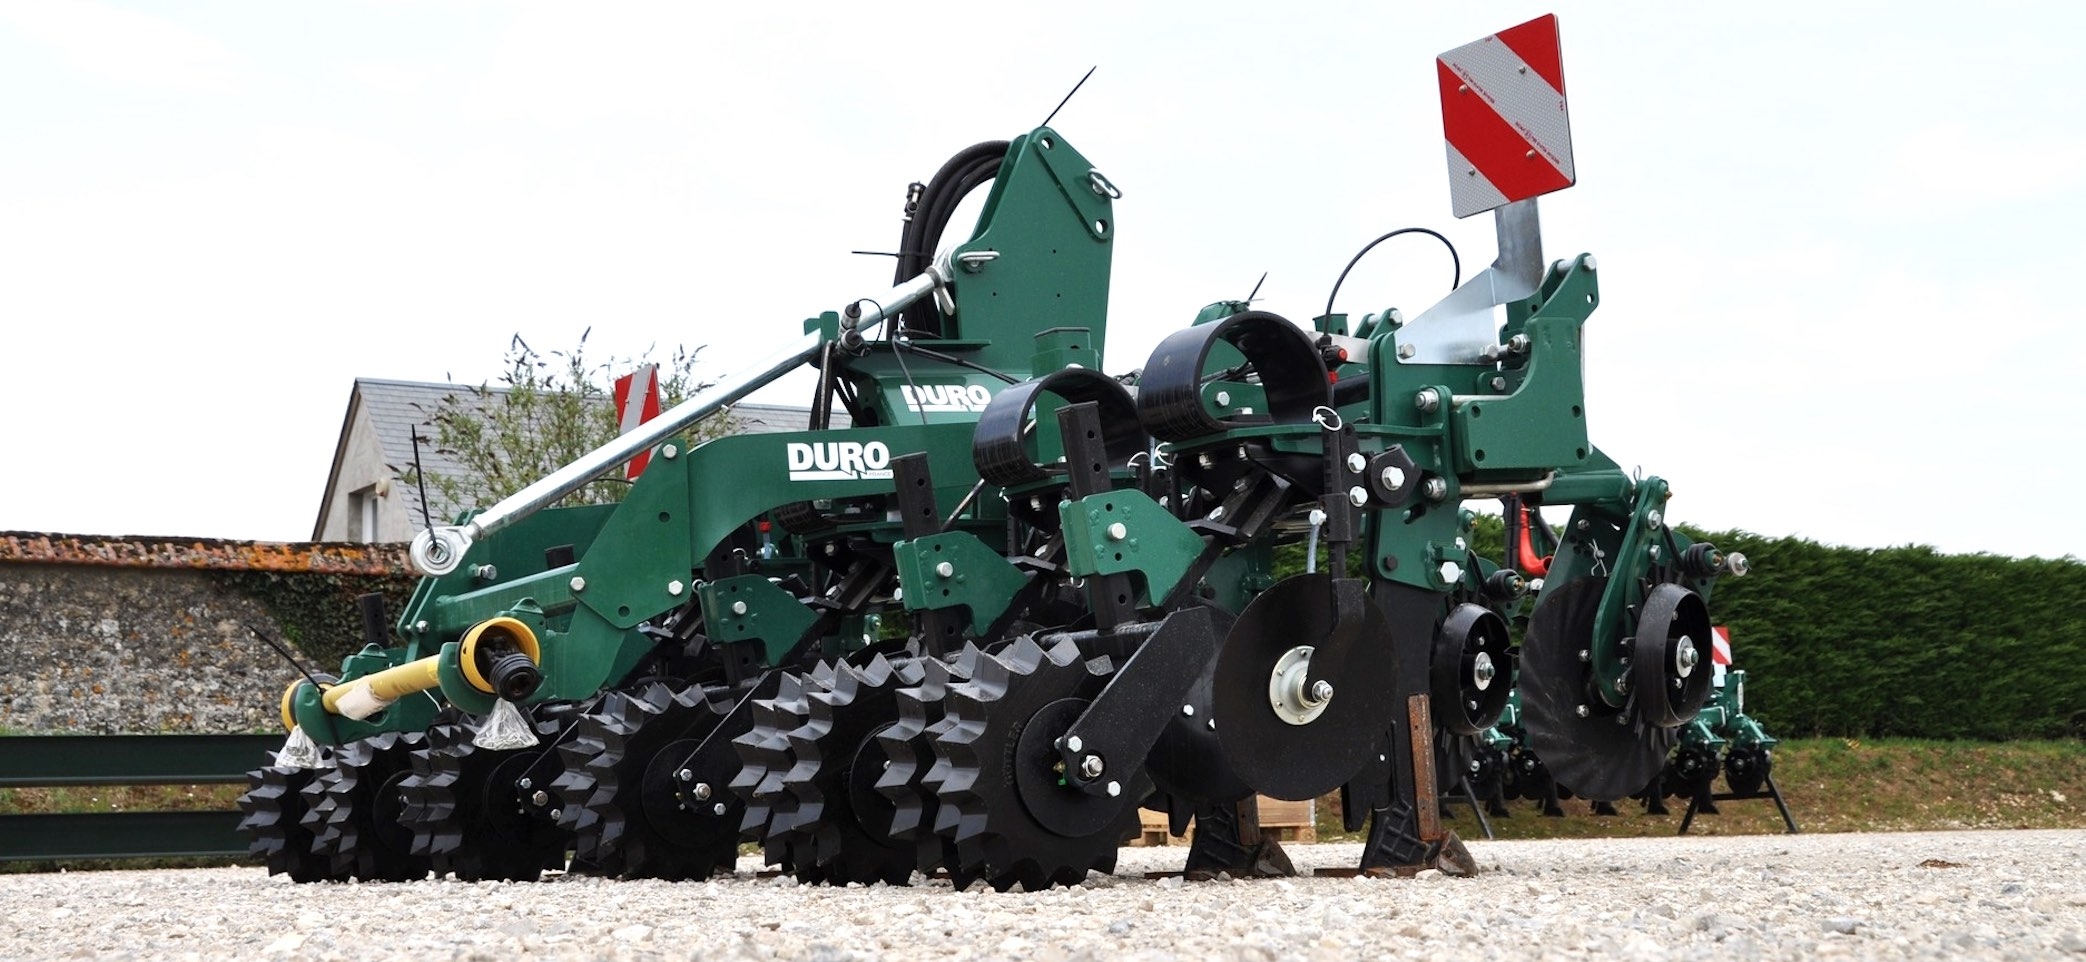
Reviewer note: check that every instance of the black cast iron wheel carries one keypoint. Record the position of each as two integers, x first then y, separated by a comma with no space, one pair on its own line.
352,810
274,807
1007,812
625,819
469,815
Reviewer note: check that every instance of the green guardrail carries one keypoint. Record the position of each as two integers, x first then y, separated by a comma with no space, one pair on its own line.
50,761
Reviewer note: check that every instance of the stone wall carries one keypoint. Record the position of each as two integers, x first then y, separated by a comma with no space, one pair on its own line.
104,635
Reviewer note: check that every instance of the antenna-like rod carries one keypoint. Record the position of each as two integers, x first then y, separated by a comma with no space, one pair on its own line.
1068,96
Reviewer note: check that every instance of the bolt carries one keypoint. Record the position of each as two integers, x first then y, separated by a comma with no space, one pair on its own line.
1585,655
1217,513
1321,692
1356,463
1518,344
1392,476
1117,531
485,572
1584,524
1205,460
420,627
1188,710
1655,519
1582,711
1428,400
540,799
1073,744
702,791
1590,265
945,570
898,594
556,814
738,607
1091,767
1685,656
1435,489
1035,502
675,588
1357,496
684,775
1223,398
1406,351
1482,671
717,809
670,452
1474,764
1211,724
832,549
1736,565
1451,572
1115,789
579,584
1241,484
525,784
1499,383
1654,552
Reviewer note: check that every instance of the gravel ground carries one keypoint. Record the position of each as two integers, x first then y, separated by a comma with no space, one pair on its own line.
1956,895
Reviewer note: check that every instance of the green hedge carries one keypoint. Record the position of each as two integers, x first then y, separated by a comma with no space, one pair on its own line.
1906,641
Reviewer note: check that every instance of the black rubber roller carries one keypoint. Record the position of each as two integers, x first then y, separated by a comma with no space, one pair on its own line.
1290,369
1002,447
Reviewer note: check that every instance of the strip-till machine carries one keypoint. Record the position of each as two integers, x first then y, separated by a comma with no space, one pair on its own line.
1017,598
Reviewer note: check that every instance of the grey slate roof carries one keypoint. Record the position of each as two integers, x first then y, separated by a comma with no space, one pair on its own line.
397,409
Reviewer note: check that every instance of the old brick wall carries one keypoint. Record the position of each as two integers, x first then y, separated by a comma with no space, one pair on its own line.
102,635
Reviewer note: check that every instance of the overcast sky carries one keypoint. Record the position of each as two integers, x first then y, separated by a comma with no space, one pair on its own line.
1839,242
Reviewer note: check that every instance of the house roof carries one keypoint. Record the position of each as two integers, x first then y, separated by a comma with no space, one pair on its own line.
397,410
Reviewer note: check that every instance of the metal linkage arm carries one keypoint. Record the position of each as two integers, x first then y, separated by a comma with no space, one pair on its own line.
438,551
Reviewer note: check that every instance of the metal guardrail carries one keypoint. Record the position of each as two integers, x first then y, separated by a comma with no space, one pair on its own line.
38,761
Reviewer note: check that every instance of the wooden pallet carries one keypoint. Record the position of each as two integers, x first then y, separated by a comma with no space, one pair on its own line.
1286,821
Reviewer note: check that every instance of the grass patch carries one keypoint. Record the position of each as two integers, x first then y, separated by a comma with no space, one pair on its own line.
1843,785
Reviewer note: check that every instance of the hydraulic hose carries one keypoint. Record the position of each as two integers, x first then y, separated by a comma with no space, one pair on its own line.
926,220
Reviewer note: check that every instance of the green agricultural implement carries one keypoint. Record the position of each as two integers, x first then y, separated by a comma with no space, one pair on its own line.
1017,598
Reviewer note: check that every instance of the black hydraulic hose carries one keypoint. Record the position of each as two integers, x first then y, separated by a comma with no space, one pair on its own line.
965,172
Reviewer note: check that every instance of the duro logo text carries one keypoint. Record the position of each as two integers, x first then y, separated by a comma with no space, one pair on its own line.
936,398
838,460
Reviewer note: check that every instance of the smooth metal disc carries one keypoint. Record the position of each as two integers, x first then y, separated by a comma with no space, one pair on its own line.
1270,753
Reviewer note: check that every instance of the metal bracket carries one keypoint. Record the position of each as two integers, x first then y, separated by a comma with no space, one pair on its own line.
1125,720
1460,327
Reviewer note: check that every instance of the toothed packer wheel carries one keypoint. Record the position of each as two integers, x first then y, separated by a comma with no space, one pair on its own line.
352,810
908,743
842,830
1011,815
621,801
469,813
274,807
765,760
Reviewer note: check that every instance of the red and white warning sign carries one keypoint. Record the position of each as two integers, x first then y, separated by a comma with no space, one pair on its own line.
641,387
1720,650
1503,113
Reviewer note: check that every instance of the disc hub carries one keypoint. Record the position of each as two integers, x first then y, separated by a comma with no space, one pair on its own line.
1289,694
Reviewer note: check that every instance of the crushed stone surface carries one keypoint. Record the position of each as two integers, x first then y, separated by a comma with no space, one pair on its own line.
1952,895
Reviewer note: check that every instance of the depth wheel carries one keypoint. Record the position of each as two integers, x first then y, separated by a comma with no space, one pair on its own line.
620,791
352,810
1005,808
468,814
1746,769
274,807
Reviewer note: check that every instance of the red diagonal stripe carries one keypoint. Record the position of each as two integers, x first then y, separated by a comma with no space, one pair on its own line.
1493,146
1535,42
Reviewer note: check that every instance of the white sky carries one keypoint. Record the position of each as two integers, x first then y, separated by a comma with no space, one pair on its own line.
1836,240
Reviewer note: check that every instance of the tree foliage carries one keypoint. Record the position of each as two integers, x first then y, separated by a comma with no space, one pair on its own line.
544,412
